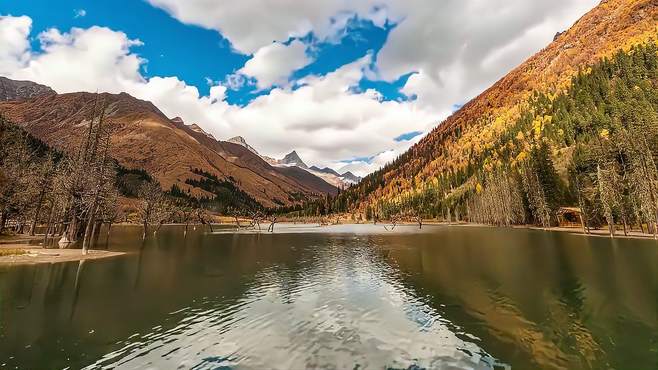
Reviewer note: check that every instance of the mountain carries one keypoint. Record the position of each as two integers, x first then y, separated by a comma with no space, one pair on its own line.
327,174
170,151
326,170
343,181
292,159
516,127
310,179
241,141
19,90
318,182
350,177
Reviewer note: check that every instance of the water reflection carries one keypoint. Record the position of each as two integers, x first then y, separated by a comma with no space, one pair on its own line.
340,297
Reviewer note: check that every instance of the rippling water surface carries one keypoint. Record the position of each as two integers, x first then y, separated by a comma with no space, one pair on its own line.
341,297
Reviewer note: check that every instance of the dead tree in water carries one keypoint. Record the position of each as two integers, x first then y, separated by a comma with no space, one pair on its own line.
184,216
151,197
237,221
202,216
256,217
272,222
394,222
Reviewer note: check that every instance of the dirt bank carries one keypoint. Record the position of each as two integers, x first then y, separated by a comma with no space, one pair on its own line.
36,255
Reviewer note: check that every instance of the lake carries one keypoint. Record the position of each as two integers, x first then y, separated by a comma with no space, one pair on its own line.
339,297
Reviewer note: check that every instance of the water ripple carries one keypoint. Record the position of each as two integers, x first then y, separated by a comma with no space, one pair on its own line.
341,308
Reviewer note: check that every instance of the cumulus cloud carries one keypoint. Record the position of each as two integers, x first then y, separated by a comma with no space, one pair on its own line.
457,47
14,42
252,24
273,64
82,59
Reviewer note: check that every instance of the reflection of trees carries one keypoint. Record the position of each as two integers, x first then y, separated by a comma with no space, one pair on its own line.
140,259
23,287
552,295
76,288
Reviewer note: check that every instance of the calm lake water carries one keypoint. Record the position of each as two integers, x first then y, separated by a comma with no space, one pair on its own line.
340,297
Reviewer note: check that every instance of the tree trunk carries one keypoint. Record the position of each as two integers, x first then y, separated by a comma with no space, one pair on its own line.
3,221
86,239
94,234
145,225
48,224
72,231
107,236
37,211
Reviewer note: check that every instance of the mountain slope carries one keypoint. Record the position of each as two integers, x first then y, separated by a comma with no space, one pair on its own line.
144,138
466,138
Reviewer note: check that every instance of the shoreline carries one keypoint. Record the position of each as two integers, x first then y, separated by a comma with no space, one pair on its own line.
35,255
600,233
571,230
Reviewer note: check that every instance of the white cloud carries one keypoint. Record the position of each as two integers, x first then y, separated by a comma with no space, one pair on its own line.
362,167
82,59
252,24
273,64
458,47
14,42
79,13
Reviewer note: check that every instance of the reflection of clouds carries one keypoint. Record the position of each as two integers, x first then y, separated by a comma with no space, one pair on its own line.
342,306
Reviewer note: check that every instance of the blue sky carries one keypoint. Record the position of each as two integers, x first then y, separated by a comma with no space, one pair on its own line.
348,84
195,54
170,47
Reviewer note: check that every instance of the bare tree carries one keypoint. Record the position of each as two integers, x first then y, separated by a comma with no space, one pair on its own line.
272,223
151,197
204,218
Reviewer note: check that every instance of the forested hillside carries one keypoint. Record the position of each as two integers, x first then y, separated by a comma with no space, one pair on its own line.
555,132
